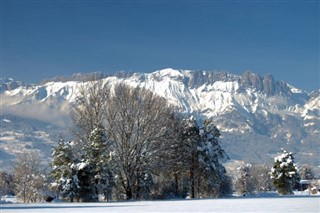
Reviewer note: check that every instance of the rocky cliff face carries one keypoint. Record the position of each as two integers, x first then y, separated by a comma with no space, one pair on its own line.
265,84
256,115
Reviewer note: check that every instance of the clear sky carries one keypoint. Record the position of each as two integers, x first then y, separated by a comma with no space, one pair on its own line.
43,39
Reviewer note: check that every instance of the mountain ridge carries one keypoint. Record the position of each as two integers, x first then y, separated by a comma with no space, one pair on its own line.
250,110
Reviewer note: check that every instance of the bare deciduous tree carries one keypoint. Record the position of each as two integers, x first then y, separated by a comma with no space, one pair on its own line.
245,182
306,173
138,126
260,174
88,109
29,178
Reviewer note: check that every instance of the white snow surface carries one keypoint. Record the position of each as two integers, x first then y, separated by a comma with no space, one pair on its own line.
272,204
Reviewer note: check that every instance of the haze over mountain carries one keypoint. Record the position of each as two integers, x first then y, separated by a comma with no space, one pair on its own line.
256,115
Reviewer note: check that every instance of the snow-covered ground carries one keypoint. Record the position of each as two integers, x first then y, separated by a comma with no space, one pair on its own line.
271,204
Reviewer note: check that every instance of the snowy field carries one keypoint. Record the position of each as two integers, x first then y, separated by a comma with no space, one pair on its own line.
273,204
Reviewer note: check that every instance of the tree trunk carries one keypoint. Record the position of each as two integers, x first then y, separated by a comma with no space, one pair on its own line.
129,194
176,184
192,178
198,187
192,184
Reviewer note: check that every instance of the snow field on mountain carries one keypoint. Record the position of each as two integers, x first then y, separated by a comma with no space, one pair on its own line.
271,204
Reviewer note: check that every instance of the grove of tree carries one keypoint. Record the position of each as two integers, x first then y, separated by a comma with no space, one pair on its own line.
129,143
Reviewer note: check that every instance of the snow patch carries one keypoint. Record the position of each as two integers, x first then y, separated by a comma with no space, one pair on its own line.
6,120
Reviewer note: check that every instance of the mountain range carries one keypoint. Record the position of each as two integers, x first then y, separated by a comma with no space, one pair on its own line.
256,115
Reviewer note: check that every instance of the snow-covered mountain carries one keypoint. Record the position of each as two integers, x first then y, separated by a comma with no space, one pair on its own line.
256,115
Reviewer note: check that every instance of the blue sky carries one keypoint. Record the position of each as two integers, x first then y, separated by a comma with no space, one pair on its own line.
43,39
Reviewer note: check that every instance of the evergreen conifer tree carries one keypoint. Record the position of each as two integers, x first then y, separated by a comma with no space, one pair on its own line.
86,175
98,156
94,174
64,173
87,192
284,173
210,156
207,174
191,138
